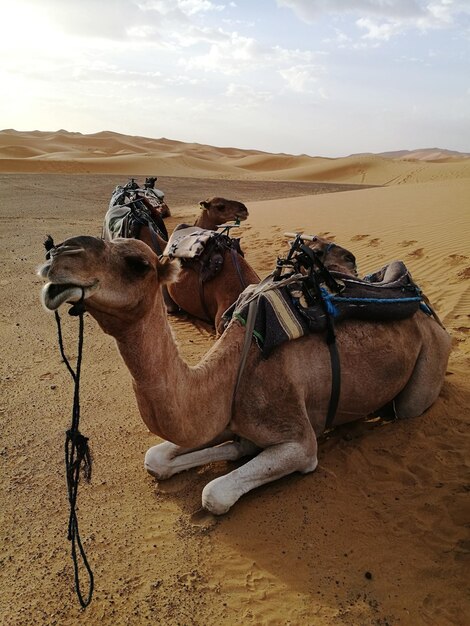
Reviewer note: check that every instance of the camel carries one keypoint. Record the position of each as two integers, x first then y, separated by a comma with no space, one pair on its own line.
209,300
279,409
206,301
216,211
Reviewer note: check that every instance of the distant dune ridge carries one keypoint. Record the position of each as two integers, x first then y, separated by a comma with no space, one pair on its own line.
113,153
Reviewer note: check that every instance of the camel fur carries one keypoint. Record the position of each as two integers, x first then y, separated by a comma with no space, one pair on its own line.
216,211
282,401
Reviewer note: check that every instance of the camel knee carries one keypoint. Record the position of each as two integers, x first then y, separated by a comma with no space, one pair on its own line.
158,460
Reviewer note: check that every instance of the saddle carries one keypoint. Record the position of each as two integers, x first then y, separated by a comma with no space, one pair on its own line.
298,303
200,249
126,215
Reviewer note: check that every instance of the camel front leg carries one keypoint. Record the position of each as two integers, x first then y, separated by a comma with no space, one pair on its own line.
167,459
269,465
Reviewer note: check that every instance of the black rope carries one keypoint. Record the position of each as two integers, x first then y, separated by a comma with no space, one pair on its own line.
302,256
77,457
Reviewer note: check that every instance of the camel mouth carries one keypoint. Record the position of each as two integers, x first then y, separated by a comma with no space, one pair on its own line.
56,294
242,216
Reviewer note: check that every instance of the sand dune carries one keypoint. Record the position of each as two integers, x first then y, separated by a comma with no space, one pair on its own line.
108,152
377,535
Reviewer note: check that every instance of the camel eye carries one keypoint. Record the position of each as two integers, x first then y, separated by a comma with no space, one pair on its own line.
220,207
137,264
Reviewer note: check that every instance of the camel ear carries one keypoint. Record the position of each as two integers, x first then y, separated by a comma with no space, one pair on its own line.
204,204
168,270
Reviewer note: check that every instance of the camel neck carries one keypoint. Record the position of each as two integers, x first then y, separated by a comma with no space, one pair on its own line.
204,221
187,405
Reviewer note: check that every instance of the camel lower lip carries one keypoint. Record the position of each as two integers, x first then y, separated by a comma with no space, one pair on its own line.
55,294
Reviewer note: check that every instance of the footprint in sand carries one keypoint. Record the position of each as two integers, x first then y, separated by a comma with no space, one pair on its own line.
417,254
465,273
203,519
253,579
455,259
359,237
409,242
374,243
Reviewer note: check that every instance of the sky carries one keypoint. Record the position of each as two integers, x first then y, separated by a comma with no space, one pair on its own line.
317,77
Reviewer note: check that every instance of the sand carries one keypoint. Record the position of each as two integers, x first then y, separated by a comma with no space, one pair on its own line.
377,535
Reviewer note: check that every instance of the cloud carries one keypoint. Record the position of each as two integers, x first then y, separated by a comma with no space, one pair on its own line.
376,30
244,96
232,53
300,78
384,19
122,19
311,10
229,55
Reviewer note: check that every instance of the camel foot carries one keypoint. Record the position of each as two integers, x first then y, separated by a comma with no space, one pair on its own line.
269,465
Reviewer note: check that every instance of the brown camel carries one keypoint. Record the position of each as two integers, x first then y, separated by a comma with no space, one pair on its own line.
281,403
216,211
209,300
206,301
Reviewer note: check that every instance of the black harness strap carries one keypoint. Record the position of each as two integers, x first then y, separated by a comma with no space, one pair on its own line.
76,453
234,255
335,374
223,243
156,246
201,297
322,274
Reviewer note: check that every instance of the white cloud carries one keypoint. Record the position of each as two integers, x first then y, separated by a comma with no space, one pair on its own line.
300,78
310,10
121,19
375,30
384,19
230,55
244,96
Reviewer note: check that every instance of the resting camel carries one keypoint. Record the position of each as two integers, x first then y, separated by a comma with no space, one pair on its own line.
216,211
206,301
209,300
280,406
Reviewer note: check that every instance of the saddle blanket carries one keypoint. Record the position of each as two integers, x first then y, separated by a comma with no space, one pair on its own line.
187,242
115,223
283,314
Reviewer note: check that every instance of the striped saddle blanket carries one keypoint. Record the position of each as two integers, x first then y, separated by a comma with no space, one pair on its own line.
283,312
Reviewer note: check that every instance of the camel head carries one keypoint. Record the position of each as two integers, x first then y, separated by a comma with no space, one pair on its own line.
220,210
117,279
334,257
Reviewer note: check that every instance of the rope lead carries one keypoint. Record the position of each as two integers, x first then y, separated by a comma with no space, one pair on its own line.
77,457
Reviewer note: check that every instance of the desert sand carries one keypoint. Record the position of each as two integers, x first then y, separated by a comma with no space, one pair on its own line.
377,535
